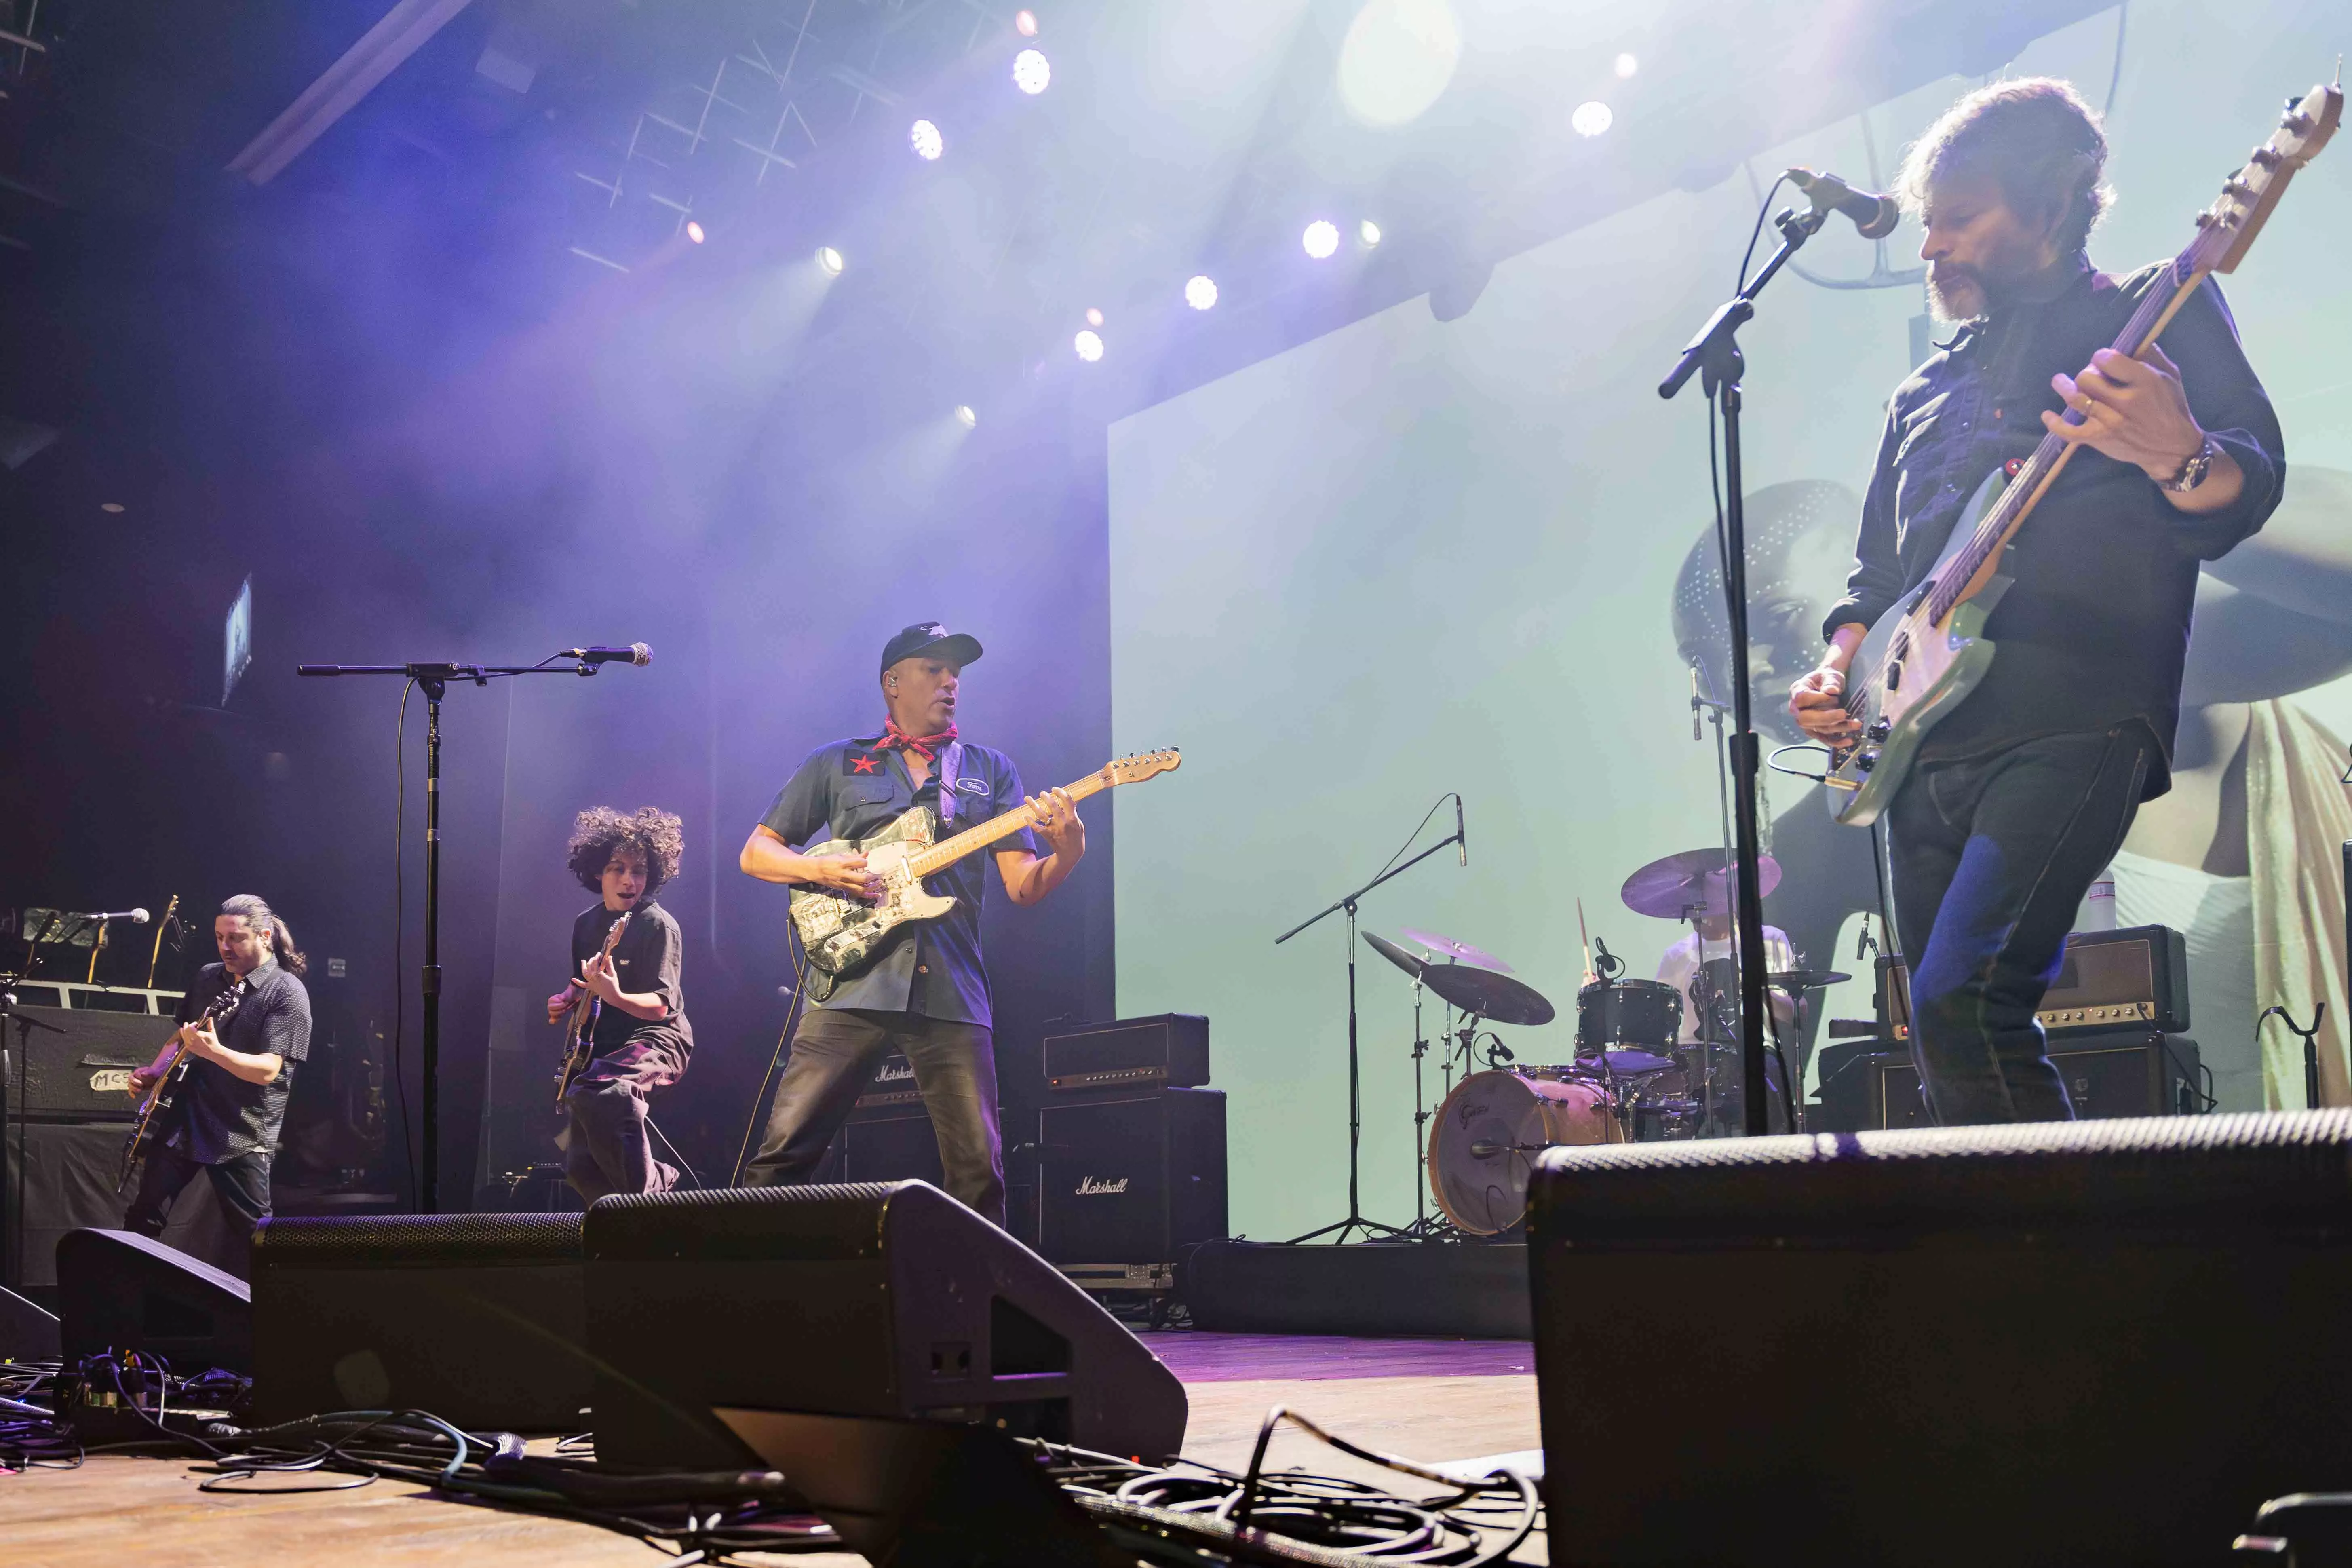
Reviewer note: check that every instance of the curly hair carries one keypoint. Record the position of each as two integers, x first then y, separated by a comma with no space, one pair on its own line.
2035,138
658,835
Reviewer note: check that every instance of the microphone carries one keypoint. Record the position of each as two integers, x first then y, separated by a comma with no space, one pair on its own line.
1873,216
635,653
136,917
1461,839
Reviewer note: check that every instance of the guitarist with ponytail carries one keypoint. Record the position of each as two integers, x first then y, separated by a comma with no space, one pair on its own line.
243,1025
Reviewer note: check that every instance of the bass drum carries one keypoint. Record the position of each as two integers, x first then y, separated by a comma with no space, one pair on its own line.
1482,1144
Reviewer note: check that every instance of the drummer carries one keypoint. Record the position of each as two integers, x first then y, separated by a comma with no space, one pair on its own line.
1716,939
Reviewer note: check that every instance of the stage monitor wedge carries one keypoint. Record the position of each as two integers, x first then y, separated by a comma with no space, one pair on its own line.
2091,1341
886,1299
477,1318
120,1291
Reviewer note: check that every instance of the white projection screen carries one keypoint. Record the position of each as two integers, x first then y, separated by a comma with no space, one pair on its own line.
1412,557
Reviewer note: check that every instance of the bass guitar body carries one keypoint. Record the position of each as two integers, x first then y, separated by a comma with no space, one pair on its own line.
841,934
1917,673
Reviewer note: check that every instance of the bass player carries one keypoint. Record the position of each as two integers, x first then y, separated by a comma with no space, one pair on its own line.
224,1116
641,1039
926,992
2020,796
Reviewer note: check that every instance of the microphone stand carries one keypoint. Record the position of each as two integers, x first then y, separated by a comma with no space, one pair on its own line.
1356,1220
1713,354
434,681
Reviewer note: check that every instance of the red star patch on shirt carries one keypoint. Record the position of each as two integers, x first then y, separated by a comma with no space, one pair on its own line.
864,764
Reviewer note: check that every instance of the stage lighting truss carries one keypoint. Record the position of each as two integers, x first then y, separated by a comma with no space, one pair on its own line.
927,142
1031,71
1089,345
1322,239
1200,292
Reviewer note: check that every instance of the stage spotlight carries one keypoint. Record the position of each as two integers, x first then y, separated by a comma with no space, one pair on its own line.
926,140
1200,292
112,508
1369,232
1030,72
966,418
1089,346
830,260
1094,317
1591,119
1321,239
694,231
1626,65
1025,23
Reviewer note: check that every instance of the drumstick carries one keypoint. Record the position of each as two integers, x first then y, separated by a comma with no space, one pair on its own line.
1586,937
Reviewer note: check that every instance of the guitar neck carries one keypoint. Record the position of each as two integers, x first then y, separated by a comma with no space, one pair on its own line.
1973,567
948,851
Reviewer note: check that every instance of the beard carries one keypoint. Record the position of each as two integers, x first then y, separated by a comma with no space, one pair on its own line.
1956,292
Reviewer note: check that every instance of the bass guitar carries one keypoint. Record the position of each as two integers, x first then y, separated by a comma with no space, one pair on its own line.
1929,652
580,1023
154,1113
841,934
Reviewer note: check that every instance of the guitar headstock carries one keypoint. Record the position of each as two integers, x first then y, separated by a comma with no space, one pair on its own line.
1143,765
2230,224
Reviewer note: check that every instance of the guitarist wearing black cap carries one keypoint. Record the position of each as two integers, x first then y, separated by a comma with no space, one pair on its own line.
925,991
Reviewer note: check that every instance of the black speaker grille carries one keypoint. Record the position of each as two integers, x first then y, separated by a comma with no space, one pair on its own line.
417,1240
842,1220
2273,1167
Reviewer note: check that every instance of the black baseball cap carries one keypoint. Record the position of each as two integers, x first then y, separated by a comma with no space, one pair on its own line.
930,639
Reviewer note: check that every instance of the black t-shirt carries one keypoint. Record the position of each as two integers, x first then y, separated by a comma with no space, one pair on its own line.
218,1114
850,791
647,958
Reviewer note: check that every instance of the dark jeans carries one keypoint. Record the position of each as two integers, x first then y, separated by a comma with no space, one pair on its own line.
241,1182
1991,857
835,1049
605,1150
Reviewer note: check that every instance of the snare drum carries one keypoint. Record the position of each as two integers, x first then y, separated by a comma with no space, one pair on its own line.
1484,1141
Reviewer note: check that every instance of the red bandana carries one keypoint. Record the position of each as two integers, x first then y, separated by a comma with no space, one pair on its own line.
923,746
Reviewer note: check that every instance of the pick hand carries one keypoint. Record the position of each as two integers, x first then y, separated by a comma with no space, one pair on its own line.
1817,702
2134,411
846,874
561,1003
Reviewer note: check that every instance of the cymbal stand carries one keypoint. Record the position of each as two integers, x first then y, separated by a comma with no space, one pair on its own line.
1421,1115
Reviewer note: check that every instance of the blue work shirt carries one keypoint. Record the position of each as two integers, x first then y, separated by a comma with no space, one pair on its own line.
2093,631
852,790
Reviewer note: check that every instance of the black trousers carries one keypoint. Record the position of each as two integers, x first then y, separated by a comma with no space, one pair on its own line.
241,1182
605,1150
1991,857
834,1050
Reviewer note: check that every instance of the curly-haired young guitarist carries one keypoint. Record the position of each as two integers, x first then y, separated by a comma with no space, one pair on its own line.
2135,463
639,1040
243,1025
925,991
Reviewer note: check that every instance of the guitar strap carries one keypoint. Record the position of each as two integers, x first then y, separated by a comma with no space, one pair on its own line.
949,761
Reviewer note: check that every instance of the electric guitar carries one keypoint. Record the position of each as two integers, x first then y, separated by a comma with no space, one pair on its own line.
580,1023
841,934
155,1113
1928,652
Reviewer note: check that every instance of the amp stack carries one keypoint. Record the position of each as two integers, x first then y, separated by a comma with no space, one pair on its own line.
1131,1152
2117,1018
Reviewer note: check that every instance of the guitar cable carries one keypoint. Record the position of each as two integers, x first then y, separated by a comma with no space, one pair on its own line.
775,1059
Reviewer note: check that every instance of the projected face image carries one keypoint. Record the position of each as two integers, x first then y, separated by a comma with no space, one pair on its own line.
1800,548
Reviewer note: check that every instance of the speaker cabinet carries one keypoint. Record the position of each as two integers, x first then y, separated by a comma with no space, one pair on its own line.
2118,1072
2089,1341
1132,1178
888,1300
124,1292
477,1318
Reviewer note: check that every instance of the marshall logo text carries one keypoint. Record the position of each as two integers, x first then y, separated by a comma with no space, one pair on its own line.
1095,1187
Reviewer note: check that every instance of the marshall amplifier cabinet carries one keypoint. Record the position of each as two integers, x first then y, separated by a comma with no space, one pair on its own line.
1132,1178
2124,1072
890,1089
84,1073
1169,1050
2134,978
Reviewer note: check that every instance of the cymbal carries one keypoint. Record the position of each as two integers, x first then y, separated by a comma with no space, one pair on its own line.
1696,880
1806,979
1497,998
1453,949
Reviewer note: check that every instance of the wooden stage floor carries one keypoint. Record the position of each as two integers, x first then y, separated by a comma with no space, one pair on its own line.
1433,1400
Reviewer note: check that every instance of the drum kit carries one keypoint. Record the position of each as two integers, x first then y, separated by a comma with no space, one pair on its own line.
1638,1073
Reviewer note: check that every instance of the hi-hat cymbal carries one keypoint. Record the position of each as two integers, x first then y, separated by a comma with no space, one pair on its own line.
1806,979
1453,949
1695,881
1497,998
